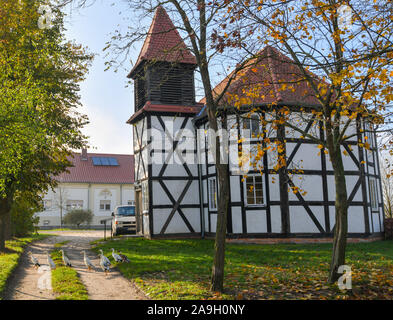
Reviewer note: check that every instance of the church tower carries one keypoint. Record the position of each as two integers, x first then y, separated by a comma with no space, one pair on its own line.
166,188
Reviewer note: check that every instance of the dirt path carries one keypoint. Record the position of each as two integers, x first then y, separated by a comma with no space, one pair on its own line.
27,283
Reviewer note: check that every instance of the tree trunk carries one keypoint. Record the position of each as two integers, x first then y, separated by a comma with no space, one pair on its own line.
4,213
341,228
217,280
8,229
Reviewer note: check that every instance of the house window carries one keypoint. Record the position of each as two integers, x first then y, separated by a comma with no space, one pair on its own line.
373,194
74,204
46,222
212,189
253,185
105,205
253,125
131,202
47,204
370,135
145,196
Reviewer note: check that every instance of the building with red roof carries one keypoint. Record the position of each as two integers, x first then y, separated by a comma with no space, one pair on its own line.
176,182
95,181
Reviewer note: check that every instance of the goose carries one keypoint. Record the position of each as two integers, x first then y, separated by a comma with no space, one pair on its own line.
66,261
87,261
105,264
50,261
116,256
124,257
104,258
34,261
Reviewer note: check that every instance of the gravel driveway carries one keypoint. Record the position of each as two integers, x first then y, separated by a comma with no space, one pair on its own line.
26,282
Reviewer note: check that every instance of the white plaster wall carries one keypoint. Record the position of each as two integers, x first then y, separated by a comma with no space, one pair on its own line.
235,188
356,220
306,157
160,216
206,213
256,221
75,191
128,194
375,217
351,181
332,216
97,197
311,185
177,224
70,192
301,222
213,222
274,188
237,220
275,213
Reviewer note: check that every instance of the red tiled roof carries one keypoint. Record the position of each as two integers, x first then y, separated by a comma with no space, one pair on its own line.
85,171
266,74
163,42
149,107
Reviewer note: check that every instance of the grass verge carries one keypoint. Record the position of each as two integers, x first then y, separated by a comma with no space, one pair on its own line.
10,259
181,269
65,280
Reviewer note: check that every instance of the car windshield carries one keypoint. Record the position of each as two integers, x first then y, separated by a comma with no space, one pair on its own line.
126,211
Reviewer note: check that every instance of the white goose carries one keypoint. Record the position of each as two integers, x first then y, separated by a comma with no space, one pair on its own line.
104,258
66,261
116,256
34,260
105,264
87,261
50,261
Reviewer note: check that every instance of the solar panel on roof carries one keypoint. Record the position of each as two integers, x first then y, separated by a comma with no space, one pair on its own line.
113,161
96,161
104,161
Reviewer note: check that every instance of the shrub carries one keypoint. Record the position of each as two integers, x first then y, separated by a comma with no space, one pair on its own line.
77,217
23,220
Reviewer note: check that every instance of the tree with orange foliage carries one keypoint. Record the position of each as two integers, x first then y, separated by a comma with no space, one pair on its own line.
344,52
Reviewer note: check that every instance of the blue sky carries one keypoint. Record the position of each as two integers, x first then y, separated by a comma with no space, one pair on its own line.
105,99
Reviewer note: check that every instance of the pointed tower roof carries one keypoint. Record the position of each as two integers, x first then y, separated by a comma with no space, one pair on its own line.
163,43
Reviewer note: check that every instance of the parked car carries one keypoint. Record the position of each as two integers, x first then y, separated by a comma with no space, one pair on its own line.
123,220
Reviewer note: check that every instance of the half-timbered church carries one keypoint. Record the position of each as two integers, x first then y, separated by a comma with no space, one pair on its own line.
179,198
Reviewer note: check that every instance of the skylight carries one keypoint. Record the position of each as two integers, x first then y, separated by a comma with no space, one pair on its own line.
104,161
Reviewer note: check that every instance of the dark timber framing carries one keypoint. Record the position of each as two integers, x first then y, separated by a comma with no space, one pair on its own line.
325,203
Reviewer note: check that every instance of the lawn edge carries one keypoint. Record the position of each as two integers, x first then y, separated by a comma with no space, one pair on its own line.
42,236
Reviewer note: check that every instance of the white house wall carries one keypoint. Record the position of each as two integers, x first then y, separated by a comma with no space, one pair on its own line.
311,211
91,195
308,158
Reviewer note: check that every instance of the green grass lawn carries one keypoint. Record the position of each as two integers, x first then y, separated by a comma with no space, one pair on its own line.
65,280
180,269
9,260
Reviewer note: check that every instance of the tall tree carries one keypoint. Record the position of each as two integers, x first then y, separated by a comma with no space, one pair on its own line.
196,20
39,124
344,52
